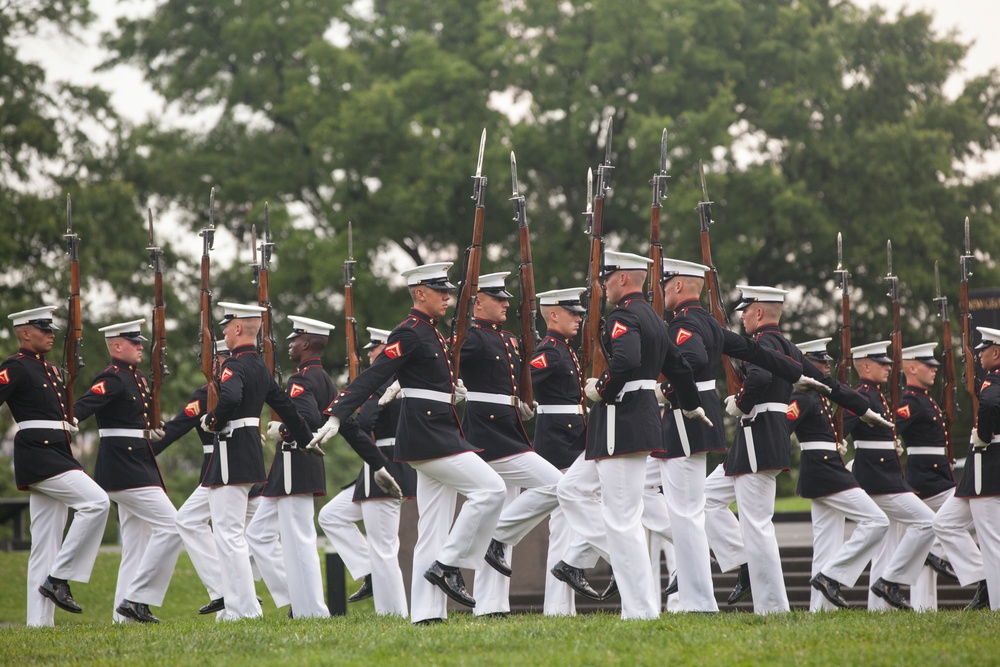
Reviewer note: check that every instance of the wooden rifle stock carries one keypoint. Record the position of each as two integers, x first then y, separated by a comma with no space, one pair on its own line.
350,324
158,354
73,342
659,183
593,355
527,307
470,281
844,367
968,352
949,392
206,334
261,273
896,338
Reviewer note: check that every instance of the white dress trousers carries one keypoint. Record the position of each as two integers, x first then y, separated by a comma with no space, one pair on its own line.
844,561
150,546
953,526
579,493
683,480
622,487
439,481
71,558
228,506
721,525
906,544
923,593
377,553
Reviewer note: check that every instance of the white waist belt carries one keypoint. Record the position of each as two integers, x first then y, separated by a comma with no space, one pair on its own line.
575,409
208,449
234,424
499,399
825,446
385,442
705,385
995,439
768,407
121,433
932,451
874,444
47,424
637,385
428,395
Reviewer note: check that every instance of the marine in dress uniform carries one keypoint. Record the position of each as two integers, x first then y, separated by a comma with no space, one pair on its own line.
878,471
119,399
922,426
681,465
493,422
374,556
835,494
237,462
44,466
430,438
624,427
194,516
560,438
976,503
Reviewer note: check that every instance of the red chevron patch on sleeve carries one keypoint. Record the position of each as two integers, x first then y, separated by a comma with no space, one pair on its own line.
540,362
5,376
793,411
904,411
99,388
296,390
226,374
986,384
618,330
393,351
192,409
682,335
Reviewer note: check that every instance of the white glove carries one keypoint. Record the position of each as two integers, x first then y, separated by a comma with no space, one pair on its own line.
155,434
698,414
661,398
898,443
976,442
273,429
391,393
204,424
842,447
873,418
325,432
806,383
526,411
732,408
315,450
590,389
461,393
73,427
387,483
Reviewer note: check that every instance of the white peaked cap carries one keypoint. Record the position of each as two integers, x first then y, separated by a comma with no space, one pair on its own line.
40,318
624,261
434,275
759,294
990,337
493,284
239,311
128,330
567,298
813,346
876,351
923,352
378,337
678,267
305,325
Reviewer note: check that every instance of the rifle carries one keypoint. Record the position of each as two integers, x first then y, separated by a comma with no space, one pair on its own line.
72,358
949,397
843,368
526,308
351,324
158,354
206,337
593,356
965,262
897,335
260,270
659,183
733,380
470,281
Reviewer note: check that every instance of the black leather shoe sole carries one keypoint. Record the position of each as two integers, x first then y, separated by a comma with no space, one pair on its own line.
566,579
836,600
65,606
454,595
214,606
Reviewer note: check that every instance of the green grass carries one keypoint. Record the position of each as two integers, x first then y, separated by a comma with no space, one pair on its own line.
800,639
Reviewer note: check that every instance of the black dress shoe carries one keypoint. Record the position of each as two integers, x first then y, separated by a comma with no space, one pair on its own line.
364,592
216,605
449,580
982,598
58,592
137,611
742,589
494,556
941,566
611,590
830,588
671,588
429,621
575,579
891,593
290,614
495,614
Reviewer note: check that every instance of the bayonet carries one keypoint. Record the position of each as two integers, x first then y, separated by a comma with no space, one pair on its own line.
253,255
604,169
588,215
659,180
479,181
